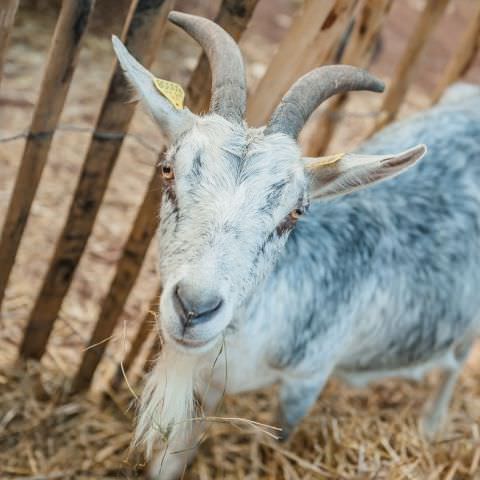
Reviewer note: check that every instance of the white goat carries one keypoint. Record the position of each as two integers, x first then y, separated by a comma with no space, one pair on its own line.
266,266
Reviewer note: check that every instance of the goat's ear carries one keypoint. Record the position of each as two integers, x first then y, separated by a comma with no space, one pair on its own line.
344,173
173,121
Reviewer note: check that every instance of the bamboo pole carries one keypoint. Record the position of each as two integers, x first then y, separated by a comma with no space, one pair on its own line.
358,52
61,64
127,270
308,44
463,56
233,17
143,332
143,31
429,18
8,9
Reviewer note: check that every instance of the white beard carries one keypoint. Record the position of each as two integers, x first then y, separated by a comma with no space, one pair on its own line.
167,402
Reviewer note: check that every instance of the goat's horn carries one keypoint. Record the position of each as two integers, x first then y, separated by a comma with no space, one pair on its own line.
309,91
228,74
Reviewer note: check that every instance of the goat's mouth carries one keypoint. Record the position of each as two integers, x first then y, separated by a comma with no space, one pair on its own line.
191,343
194,345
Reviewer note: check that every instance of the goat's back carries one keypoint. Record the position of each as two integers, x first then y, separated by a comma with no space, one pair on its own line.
398,265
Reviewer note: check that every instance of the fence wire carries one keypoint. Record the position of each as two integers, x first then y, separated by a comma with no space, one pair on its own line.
141,139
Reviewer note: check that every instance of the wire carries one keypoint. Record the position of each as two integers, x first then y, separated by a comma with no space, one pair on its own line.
140,139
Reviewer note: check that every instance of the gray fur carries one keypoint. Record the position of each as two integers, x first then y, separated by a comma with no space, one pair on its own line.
409,248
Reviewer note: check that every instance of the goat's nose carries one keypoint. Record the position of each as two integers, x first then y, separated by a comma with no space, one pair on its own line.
194,307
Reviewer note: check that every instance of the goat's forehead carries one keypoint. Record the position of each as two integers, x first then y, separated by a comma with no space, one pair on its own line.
220,148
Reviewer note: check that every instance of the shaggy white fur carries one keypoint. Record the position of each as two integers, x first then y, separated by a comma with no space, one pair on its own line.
167,401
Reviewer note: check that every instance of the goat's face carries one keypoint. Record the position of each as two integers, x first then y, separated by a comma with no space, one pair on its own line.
230,198
231,195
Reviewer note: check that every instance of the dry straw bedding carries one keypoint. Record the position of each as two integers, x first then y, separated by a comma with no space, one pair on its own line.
44,434
351,434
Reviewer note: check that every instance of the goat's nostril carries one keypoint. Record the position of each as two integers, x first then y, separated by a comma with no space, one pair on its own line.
194,306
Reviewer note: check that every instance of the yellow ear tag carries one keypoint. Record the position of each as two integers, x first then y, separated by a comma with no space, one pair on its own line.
321,162
171,91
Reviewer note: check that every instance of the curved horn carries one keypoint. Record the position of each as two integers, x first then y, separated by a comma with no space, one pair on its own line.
309,91
228,73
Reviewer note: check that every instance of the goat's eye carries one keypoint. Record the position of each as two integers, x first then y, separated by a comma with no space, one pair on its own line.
296,213
167,172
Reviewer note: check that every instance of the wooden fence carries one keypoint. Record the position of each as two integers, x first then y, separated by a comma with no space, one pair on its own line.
313,39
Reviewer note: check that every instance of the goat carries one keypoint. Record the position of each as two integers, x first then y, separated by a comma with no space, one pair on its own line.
268,265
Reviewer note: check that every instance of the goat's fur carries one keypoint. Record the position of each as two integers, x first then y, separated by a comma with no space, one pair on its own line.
380,282
167,398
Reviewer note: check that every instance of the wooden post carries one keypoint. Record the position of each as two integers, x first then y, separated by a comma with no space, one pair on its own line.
8,9
358,52
143,332
402,78
152,354
142,38
463,56
308,44
233,17
61,64
127,270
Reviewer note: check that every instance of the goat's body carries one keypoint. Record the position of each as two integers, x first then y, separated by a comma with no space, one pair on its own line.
381,282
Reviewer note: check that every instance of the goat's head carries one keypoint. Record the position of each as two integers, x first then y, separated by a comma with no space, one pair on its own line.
233,194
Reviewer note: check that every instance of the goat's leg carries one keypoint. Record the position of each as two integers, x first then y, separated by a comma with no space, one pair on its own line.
297,396
436,412
169,463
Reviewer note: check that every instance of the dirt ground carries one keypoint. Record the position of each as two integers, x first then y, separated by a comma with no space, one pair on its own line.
369,433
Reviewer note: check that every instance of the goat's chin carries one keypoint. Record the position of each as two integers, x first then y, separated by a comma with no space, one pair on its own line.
192,344
167,402
194,348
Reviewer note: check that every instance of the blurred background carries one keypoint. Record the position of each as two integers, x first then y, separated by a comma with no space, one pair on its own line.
175,59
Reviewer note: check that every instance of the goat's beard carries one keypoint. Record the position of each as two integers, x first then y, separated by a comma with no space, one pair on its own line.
167,404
